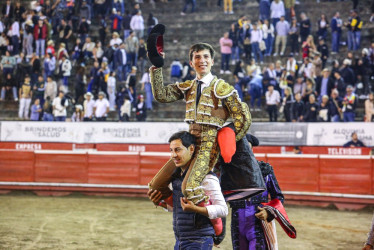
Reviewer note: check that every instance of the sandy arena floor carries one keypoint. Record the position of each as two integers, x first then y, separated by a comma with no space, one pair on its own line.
83,222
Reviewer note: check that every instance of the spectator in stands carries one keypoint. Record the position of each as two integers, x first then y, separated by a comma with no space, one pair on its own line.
310,111
87,49
336,30
322,27
51,48
186,4
324,113
246,41
132,46
36,109
272,102
240,79
308,46
366,71
40,36
137,24
270,76
49,65
356,26
28,38
115,39
305,27
59,107
116,21
324,51
227,6
103,74
151,22
293,32
282,29
287,102
369,108
9,83
297,109
336,105
126,24
38,89
65,33
141,110
234,36
101,107
112,90
120,62
120,98
264,10
83,30
268,36
47,110
8,63
131,83
98,52
310,89
299,86
347,72
306,68
85,11
102,30
8,12
277,10
65,70
324,84
255,91
93,84
225,44
125,111
355,142
291,65
339,84
316,65
176,68
15,31
256,40
80,83
50,88
88,107
349,105
142,56
146,86
78,114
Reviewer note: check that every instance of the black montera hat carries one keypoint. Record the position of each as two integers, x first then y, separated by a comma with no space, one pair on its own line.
155,45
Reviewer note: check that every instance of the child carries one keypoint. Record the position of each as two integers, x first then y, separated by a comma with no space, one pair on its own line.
35,110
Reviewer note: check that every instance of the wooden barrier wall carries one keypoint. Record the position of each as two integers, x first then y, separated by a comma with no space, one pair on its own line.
299,173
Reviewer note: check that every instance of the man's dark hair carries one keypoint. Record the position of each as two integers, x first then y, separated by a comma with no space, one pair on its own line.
186,138
199,47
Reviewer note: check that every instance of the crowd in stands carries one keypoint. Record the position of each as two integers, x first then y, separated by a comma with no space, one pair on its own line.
52,62
311,87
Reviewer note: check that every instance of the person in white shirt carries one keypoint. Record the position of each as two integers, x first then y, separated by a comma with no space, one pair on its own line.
59,107
101,108
185,213
137,24
282,29
272,101
112,90
115,39
125,110
15,34
88,107
256,38
276,11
